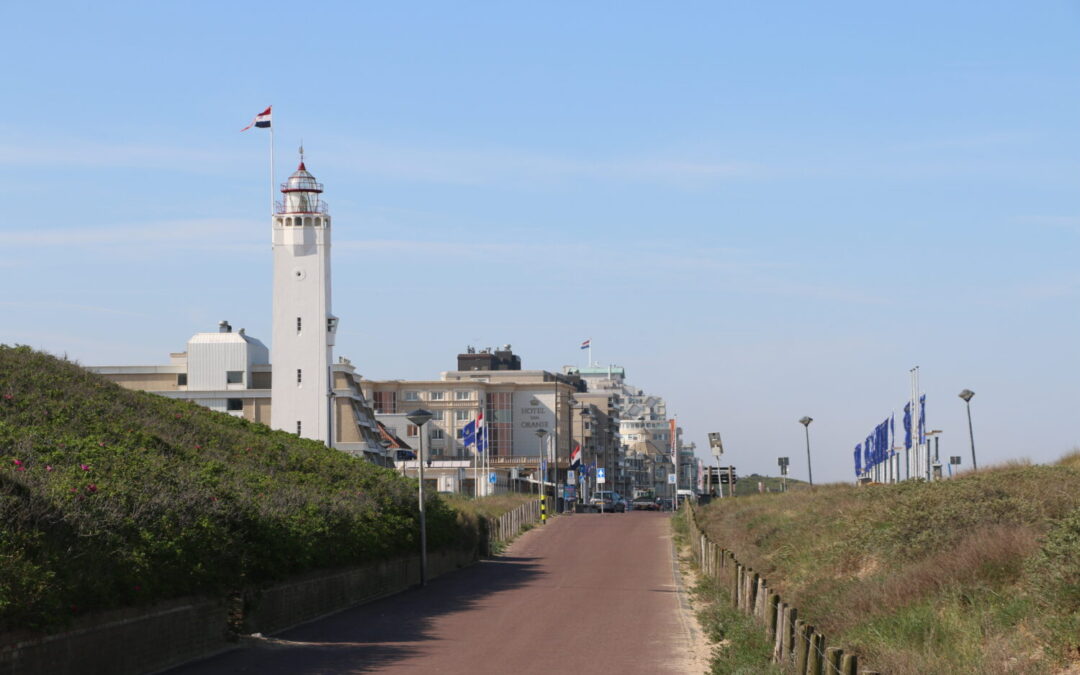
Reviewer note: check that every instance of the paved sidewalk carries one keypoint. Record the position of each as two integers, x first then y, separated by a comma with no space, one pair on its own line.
585,593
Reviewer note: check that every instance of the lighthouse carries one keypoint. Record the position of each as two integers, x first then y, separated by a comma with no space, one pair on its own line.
303,326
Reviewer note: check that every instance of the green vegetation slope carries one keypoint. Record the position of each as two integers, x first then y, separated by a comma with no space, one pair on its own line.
979,574
110,497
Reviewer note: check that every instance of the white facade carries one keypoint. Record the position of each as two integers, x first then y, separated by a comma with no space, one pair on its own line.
303,327
223,360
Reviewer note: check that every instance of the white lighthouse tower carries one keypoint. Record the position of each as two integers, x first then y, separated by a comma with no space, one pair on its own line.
303,327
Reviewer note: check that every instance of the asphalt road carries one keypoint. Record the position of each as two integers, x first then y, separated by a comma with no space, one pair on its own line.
587,593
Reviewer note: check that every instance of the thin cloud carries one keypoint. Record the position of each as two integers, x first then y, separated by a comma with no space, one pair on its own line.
197,233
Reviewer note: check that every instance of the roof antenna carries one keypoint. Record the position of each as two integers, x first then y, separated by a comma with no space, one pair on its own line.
302,154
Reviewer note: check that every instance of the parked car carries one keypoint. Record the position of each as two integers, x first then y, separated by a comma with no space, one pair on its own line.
608,501
645,504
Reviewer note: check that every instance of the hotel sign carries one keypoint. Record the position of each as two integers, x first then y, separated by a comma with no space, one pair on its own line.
532,410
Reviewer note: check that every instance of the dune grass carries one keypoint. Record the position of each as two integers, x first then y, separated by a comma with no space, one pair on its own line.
979,574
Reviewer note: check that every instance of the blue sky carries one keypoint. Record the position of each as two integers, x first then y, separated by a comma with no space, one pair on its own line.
761,212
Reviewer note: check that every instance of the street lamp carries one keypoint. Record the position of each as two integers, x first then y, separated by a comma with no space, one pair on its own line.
540,433
420,417
967,395
586,416
809,470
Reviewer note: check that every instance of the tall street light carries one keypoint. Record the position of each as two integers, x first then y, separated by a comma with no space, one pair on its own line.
809,470
420,417
967,395
540,433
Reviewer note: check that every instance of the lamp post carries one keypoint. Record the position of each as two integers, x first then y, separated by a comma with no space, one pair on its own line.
585,417
420,417
967,395
717,446
809,470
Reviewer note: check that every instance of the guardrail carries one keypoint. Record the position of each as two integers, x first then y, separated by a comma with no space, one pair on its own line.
797,647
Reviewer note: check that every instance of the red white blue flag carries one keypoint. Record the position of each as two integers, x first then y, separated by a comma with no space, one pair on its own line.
575,456
585,345
262,120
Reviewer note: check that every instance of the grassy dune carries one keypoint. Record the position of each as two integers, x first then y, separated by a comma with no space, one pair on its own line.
110,498
980,574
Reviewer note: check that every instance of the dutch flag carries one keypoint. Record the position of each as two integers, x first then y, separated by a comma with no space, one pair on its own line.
585,345
481,433
262,120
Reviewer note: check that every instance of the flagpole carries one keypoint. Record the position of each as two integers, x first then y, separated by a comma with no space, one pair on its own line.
271,169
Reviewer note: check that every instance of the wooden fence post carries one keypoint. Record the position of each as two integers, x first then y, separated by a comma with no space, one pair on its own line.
771,617
737,594
778,638
850,665
813,656
789,634
833,656
802,646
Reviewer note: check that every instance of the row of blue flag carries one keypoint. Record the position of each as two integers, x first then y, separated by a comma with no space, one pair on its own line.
470,437
878,446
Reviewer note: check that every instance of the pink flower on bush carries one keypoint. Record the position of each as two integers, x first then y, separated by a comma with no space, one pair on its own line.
91,488
84,467
17,462
20,468
48,467
8,397
198,447
101,443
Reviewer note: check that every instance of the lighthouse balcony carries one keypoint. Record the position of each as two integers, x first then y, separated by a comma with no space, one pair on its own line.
301,204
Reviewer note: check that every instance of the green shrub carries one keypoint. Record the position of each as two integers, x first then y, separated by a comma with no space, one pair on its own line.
111,497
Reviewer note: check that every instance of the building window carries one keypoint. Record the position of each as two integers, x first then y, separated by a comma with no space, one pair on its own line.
462,395
463,415
299,324
437,434
234,376
386,402
299,376
298,427
181,379
234,404
437,415
410,396
460,434
412,431
436,395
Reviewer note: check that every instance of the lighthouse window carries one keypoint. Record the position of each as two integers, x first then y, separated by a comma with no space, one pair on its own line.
234,404
234,376
298,324
298,427
299,376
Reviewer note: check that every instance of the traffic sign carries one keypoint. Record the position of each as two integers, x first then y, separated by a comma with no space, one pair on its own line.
671,479
571,477
600,476
492,478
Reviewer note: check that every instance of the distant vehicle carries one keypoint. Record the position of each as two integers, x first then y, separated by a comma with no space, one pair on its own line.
645,504
608,501
664,503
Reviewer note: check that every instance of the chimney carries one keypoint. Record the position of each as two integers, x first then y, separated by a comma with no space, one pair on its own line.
224,327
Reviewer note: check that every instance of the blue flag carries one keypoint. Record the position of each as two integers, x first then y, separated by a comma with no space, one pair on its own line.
858,459
922,418
468,434
907,425
481,439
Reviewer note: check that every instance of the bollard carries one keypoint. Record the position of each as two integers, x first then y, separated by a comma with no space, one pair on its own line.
543,510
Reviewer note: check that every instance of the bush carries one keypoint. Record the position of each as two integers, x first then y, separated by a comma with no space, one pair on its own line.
111,497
